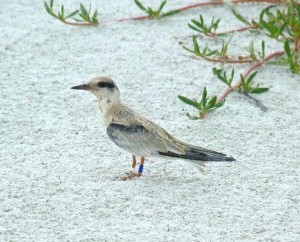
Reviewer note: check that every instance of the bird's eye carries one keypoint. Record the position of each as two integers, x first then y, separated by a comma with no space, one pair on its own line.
105,84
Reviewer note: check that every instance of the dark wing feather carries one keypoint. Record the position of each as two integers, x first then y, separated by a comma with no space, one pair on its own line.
135,138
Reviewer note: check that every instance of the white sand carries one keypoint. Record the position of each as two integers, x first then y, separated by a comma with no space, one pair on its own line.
58,166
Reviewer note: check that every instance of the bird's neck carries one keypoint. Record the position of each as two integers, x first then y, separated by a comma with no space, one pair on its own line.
106,107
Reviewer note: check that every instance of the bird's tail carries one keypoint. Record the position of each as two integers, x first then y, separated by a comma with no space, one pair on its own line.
194,153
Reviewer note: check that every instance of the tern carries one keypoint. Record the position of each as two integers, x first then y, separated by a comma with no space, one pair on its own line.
137,134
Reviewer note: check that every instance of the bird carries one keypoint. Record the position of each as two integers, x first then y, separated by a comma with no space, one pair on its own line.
137,134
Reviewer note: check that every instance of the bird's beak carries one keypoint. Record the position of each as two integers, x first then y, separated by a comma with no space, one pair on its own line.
82,87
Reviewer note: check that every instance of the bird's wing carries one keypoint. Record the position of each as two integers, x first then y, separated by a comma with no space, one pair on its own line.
136,138
180,149
170,142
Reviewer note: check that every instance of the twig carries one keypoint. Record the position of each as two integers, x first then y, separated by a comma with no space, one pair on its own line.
132,18
257,102
222,3
233,31
196,6
248,71
221,33
241,60
73,23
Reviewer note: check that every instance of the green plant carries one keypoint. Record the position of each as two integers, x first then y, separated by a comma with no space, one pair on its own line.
281,22
277,22
240,17
202,28
217,55
222,76
206,104
247,85
82,16
206,52
158,12
293,58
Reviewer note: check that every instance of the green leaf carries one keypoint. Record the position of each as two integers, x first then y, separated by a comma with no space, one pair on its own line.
287,49
204,97
220,104
151,12
240,17
201,20
198,24
195,43
265,11
170,13
78,20
291,9
225,45
72,14
140,6
194,28
213,52
62,10
262,54
214,25
48,9
250,78
231,77
186,48
162,5
242,79
222,76
83,10
51,3
269,27
251,50
212,102
192,117
259,90
188,101
218,73
84,17
94,17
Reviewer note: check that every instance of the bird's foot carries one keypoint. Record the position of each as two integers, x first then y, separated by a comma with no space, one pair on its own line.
133,174
130,175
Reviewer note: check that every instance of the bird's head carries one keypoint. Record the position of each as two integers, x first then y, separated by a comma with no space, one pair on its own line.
102,87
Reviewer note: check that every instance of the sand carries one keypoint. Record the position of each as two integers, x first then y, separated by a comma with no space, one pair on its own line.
58,167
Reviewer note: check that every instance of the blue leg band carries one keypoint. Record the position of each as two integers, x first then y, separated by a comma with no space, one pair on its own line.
141,168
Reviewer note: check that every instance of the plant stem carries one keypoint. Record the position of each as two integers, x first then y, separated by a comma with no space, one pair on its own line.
224,59
222,3
72,23
196,5
132,18
233,31
201,115
248,71
213,35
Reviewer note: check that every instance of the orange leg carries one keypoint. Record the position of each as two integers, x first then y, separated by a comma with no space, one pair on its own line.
133,174
133,161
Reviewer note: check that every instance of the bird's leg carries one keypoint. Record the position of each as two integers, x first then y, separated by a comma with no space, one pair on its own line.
141,167
140,170
133,161
132,174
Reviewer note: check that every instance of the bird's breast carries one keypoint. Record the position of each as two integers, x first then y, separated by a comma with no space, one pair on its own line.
106,116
